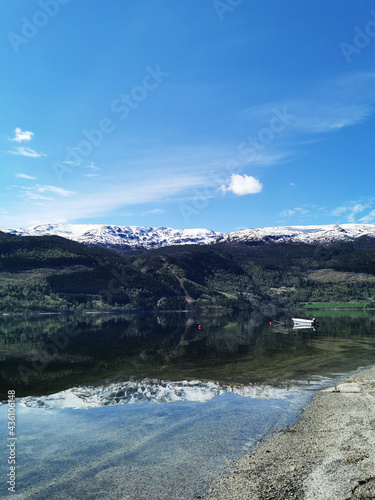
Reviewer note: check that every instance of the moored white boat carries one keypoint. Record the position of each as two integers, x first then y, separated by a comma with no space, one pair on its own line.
304,323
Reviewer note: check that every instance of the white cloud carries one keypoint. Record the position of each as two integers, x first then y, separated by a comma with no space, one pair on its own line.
242,184
90,175
22,135
25,176
22,151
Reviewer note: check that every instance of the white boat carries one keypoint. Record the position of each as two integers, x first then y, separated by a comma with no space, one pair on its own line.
304,323
300,321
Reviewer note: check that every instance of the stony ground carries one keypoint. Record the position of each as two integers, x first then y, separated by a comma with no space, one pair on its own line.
328,455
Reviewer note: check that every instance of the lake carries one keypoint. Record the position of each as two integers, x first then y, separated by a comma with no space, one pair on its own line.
154,406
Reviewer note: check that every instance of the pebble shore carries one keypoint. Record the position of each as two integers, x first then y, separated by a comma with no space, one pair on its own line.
328,455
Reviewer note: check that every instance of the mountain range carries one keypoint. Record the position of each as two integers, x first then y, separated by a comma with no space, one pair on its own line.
142,237
83,267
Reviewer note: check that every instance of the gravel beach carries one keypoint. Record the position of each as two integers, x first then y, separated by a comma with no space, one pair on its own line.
328,455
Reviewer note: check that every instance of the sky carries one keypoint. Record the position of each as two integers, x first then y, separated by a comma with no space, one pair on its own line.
219,114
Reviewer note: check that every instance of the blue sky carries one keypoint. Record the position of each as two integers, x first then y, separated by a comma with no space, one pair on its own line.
223,114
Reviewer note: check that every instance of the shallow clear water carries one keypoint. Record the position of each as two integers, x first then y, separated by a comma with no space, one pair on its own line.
139,451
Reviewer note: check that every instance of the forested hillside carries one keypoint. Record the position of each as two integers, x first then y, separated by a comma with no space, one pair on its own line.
50,273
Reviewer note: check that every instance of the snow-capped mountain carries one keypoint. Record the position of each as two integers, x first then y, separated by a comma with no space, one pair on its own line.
156,237
303,234
121,236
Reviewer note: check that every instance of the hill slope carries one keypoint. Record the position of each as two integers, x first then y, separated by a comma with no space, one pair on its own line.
50,273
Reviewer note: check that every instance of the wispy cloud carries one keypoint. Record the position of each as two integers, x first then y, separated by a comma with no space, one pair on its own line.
316,117
92,166
155,211
312,116
30,195
293,212
25,176
22,135
369,218
33,193
354,211
94,204
81,163
330,106
138,180
22,151
56,190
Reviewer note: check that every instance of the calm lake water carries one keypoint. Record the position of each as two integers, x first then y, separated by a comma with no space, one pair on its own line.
152,407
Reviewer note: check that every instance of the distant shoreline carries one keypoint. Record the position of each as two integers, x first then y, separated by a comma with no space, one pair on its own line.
329,454
159,311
